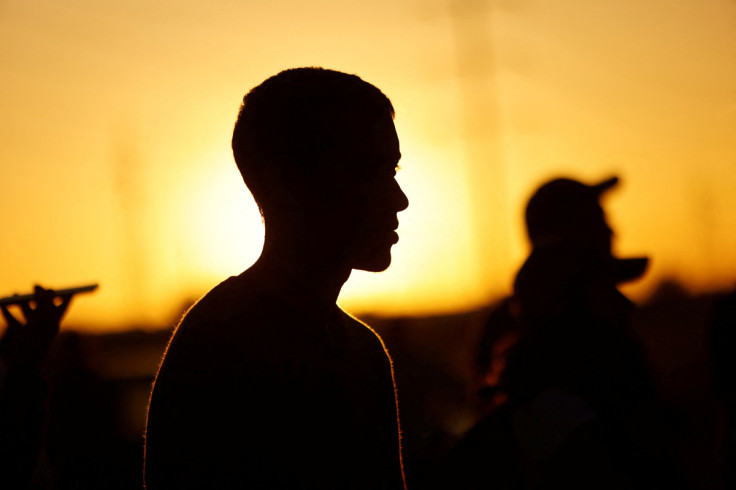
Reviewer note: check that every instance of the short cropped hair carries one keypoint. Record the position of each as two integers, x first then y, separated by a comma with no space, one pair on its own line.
294,116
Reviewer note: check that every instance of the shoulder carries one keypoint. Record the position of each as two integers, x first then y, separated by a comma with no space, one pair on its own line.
236,310
233,299
235,331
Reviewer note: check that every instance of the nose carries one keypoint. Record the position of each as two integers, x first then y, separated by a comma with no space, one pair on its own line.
402,202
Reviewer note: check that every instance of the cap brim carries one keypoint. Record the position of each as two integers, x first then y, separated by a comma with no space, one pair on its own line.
602,187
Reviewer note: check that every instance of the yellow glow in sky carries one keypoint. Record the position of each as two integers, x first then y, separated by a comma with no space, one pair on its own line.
116,122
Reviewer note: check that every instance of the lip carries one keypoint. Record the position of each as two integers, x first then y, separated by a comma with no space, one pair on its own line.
386,233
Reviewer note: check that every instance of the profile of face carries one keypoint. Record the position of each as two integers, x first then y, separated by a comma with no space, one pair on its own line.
362,196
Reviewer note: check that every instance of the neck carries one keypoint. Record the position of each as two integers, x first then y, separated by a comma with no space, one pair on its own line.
309,280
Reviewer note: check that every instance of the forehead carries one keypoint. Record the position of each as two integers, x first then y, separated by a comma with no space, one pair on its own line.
373,137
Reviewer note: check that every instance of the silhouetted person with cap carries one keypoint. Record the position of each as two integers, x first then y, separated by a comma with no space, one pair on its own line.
569,235
580,408
266,383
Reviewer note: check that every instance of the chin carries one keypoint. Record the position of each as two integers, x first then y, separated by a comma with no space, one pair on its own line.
376,262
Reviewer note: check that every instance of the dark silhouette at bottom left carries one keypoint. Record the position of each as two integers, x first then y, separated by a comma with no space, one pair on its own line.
23,391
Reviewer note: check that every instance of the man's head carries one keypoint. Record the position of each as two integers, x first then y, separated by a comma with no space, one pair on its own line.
318,150
571,248
566,211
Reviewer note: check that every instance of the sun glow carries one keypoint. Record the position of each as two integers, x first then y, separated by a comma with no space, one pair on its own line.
220,228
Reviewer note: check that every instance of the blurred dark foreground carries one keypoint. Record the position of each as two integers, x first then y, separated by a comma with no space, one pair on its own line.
99,386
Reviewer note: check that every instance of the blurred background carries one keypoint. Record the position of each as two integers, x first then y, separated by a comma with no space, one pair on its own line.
115,128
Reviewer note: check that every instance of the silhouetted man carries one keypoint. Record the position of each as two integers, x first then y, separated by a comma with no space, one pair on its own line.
266,383
574,404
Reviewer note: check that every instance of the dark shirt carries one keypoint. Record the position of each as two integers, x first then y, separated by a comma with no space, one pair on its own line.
252,393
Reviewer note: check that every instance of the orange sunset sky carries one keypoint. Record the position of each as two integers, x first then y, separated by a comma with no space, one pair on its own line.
116,117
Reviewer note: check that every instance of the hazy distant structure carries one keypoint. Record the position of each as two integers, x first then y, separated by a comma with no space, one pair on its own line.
477,70
126,171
